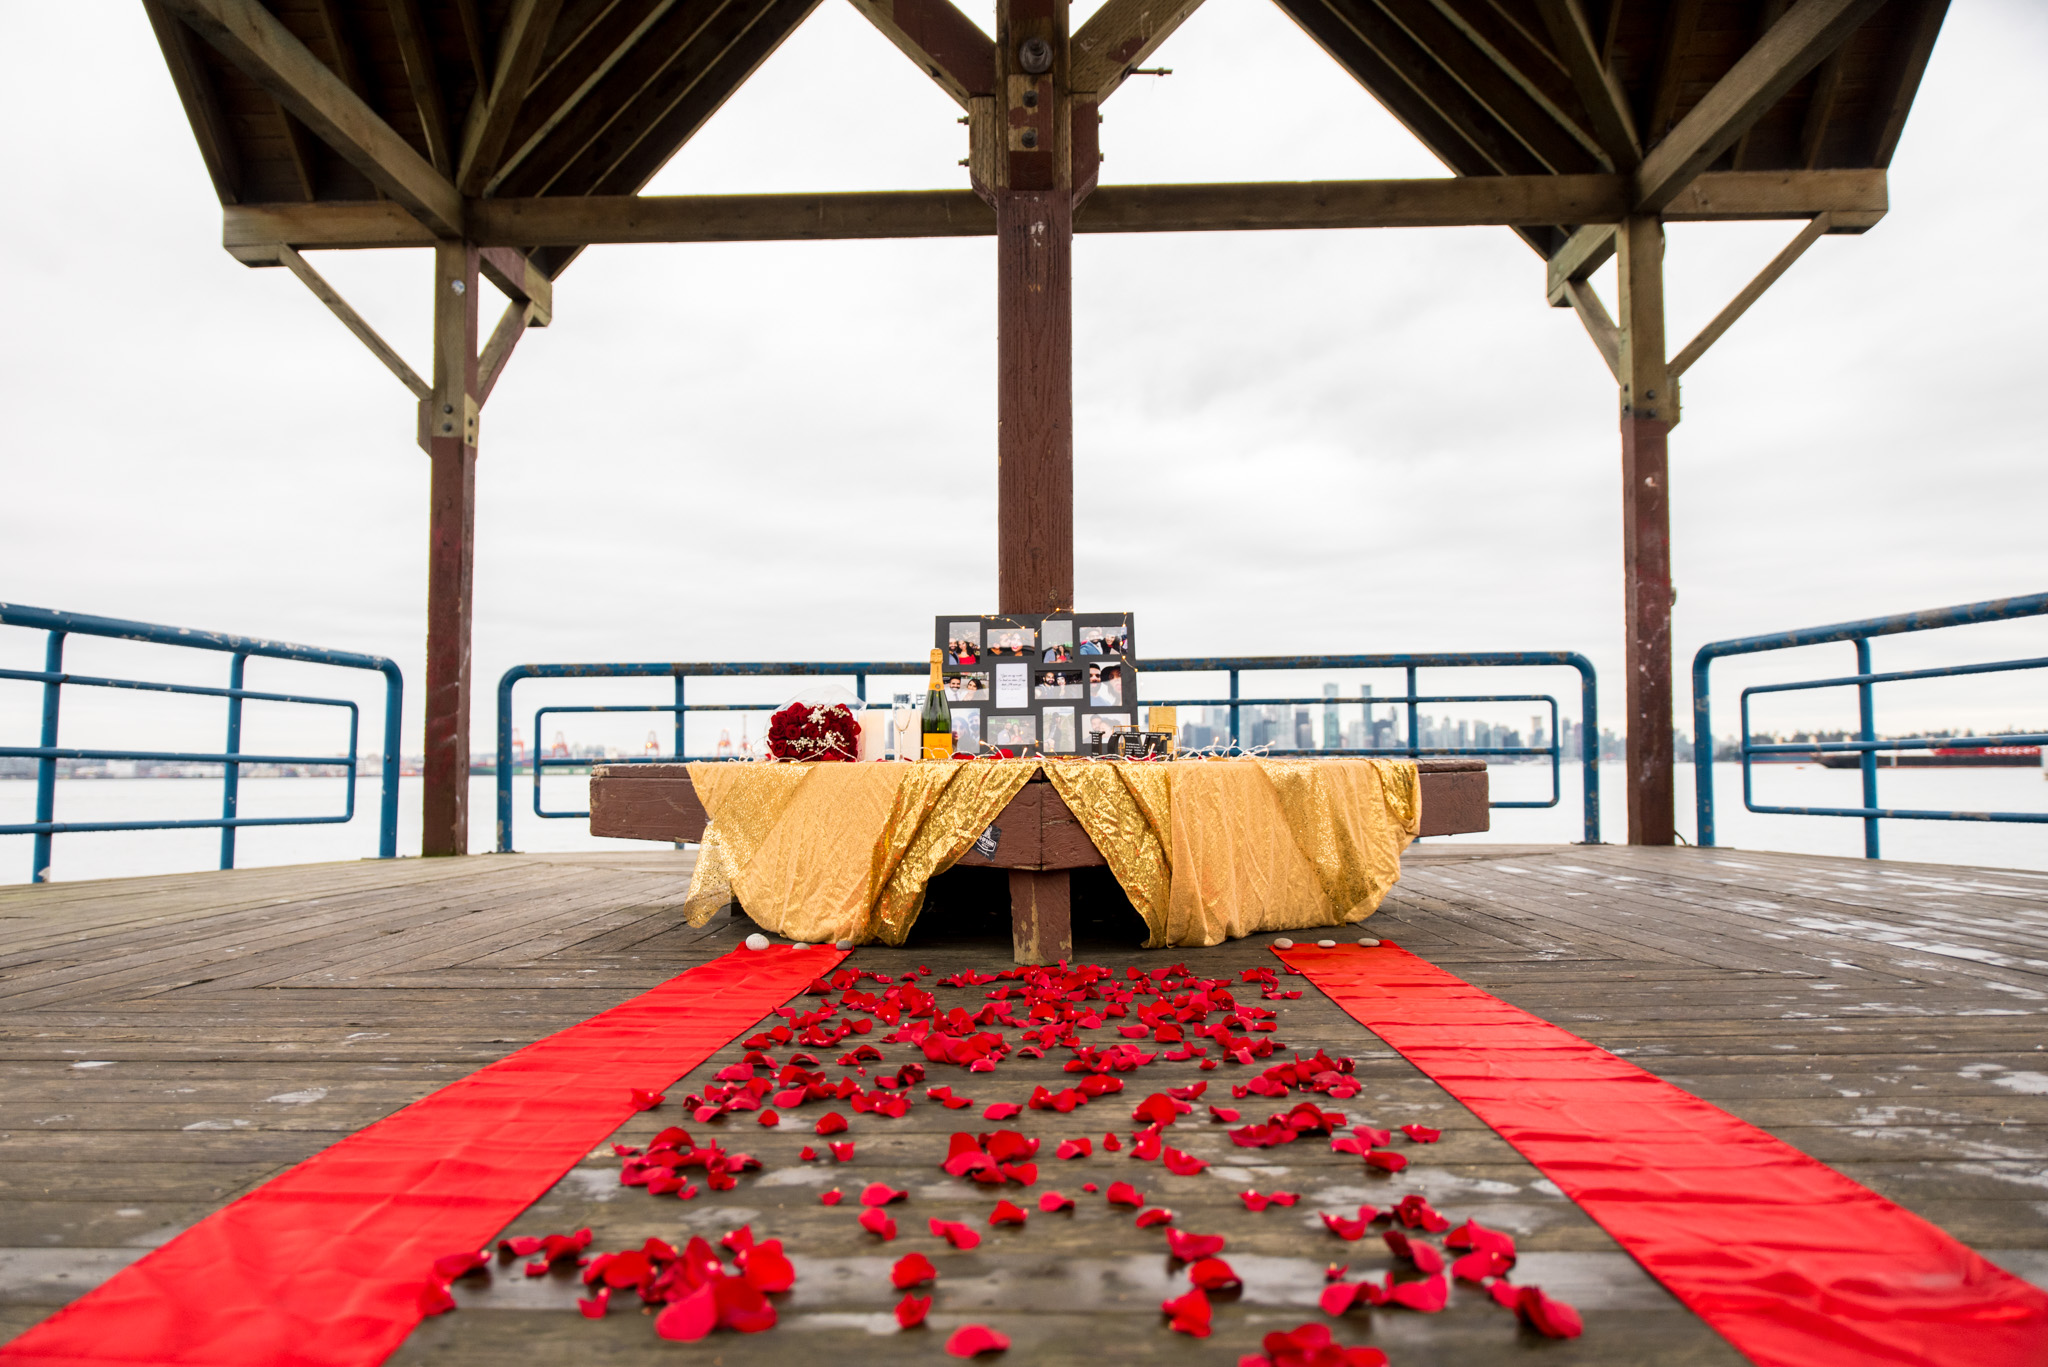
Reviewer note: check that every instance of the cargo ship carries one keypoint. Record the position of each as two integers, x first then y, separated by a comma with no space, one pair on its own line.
1947,757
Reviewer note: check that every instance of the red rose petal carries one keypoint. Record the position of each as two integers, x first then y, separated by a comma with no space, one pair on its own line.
436,1299
841,1153
960,1235
877,1223
1124,1194
1110,1143
644,1100
832,1197
1052,1201
1347,1230
1192,1247
1480,1264
1213,1274
594,1308
1155,1215
911,1310
831,1123
1422,1134
1183,1164
880,1194
972,1340
768,1118
808,1154
1075,1148
689,1319
1090,1188
1006,1213
913,1269
1338,1297
1428,1296
1226,1115
1189,1314
1552,1319
1002,1110
1386,1160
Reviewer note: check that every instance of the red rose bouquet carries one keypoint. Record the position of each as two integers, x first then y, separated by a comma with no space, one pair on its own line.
813,731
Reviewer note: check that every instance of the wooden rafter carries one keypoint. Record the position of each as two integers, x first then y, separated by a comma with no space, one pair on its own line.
202,102
1820,108
253,39
1796,44
725,69
1121,35
299,143
1681,19
523,282
1513,40
615,110
944,43
1605,102
491,115
512,325
1926,25
416,50
474,43
1584,252
1493,84
582,61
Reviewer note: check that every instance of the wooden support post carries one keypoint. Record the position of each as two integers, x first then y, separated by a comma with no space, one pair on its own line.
1033,197
450,428
1041,915
1649,409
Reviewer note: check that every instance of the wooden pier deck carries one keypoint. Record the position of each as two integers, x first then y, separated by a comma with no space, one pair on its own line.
168,1043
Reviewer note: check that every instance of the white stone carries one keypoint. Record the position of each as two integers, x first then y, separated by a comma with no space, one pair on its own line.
1283,943
1326,944
843,944
1369,942
757,941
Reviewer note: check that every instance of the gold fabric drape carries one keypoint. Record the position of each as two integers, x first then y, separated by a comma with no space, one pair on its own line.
1206,850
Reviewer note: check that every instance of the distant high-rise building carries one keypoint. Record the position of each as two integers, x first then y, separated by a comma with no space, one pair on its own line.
1331,736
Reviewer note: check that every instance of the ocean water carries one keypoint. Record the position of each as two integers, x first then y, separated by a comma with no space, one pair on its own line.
126,853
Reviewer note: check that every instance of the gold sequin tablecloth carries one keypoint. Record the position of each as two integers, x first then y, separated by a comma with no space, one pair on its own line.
1206,849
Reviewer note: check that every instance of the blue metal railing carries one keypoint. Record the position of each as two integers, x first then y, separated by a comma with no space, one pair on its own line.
53,678
1234,666
1866,745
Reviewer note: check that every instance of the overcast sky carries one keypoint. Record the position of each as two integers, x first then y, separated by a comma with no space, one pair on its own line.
1286,442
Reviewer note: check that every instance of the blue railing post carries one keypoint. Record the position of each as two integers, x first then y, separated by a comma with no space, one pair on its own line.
1702,744
505,682
1235,743
231,772
681,713
1867,714
46,765
1414,715
394,712
1589,742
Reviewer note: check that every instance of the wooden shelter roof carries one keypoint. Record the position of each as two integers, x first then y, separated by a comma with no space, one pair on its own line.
559,99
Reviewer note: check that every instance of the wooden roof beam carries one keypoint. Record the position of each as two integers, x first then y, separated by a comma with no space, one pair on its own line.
1796,44
416,52
1121,35
268,52
202,102
1606,103
491,115
1854,198
950,47
1584,252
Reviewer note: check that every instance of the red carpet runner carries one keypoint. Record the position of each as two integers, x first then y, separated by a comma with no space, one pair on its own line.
1791,1261
323,1265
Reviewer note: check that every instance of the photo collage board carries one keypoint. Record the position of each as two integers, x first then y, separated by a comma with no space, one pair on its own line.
1037,684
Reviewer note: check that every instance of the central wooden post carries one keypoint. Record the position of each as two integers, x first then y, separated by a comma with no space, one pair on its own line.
449,429
1649,410
1033,192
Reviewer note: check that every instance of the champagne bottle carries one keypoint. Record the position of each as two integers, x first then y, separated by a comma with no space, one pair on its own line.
938,717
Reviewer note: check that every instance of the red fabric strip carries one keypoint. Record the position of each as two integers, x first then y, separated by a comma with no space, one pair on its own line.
1791,1261
323,1265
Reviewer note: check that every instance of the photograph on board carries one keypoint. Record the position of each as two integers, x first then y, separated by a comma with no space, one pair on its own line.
967,729
966,688
963,643
1106,685
1059,684
1059,730
1011,733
